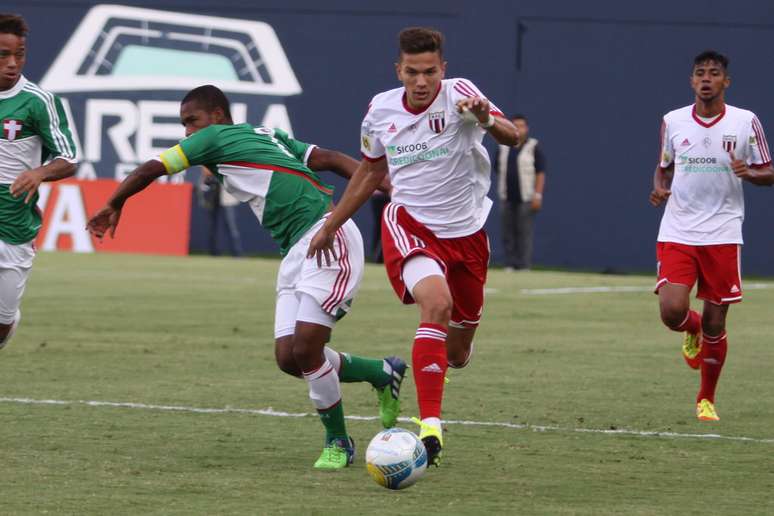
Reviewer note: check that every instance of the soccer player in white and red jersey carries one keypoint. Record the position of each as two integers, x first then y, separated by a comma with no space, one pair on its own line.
707,150
427,134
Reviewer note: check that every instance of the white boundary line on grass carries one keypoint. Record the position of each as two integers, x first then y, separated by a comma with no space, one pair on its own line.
619,288
271,412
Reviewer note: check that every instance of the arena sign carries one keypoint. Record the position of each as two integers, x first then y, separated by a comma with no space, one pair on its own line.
121,76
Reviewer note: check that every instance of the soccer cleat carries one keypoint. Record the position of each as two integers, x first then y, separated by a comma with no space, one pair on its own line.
389,404
692,349
337,454
705,411
432,437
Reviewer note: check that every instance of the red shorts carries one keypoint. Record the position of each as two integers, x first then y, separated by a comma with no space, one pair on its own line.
717,267
464,261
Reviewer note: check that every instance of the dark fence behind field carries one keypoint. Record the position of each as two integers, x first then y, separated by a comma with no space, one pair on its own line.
593,77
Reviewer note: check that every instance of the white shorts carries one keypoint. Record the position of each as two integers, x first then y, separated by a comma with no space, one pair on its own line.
15,265
332,286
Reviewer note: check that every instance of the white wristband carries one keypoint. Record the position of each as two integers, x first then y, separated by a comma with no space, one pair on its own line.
489,122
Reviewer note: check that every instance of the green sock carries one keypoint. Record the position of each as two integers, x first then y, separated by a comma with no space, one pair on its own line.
360,369
333,421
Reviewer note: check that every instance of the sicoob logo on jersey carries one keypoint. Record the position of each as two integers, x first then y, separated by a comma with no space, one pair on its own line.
437,121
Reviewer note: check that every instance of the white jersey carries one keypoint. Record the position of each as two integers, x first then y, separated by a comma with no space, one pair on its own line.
439,169
706,206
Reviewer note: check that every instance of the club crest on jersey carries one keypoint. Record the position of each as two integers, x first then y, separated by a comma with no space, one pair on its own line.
729,142
11,129
437,121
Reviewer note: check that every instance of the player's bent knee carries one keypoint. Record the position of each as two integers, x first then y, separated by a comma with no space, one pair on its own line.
673,314
283,354
287,364
438,309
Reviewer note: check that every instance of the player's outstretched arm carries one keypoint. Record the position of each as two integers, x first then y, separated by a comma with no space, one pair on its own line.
340,164
662,181
28,181
106,220
499,127
757,176
361,186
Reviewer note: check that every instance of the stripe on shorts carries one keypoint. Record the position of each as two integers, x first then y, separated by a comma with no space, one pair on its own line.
396,231
340,285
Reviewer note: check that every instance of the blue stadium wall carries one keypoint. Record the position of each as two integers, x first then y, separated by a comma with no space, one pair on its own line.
593,77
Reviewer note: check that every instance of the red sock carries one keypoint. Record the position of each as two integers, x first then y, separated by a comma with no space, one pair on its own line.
428,361
713,353
691,324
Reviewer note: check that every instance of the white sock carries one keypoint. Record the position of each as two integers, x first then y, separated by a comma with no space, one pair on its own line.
333,357
324,386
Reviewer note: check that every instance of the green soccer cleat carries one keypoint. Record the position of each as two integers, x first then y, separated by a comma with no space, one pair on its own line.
337,454
389,403
432,437
692,349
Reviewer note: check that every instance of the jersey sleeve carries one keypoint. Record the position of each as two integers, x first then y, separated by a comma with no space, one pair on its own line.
198,149
299,149
667,152
464,88
758,155
370,146
53,127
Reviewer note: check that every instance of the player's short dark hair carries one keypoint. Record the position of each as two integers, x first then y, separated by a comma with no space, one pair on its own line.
417,40
13,24
713,57
519,116
209,97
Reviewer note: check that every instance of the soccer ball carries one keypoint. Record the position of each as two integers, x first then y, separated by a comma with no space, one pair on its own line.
396,458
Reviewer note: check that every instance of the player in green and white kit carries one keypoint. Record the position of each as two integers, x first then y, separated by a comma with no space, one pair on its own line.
33,131
274,174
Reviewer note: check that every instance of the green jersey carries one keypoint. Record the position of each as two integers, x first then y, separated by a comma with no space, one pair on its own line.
262,167
33,129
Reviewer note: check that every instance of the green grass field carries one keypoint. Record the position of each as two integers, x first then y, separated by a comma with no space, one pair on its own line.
198,333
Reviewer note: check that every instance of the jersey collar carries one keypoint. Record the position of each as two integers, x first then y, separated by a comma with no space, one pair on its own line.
420,111
702,122
7,94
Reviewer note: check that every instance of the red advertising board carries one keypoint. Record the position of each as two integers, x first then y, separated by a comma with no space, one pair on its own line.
155,221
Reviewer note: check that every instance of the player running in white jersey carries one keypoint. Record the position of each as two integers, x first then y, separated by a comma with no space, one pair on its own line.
274,174
33,130
427,135
707,150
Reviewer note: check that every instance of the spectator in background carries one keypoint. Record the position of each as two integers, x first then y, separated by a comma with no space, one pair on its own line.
521,176
216,200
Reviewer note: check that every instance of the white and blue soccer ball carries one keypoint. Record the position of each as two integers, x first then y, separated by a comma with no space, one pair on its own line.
396,458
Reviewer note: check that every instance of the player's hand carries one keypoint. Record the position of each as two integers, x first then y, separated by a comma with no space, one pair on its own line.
659,195
537,203
27,183
740,168
477,106
105,220
322,246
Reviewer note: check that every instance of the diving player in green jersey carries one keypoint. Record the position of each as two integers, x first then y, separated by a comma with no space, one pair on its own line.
33,130
274,174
